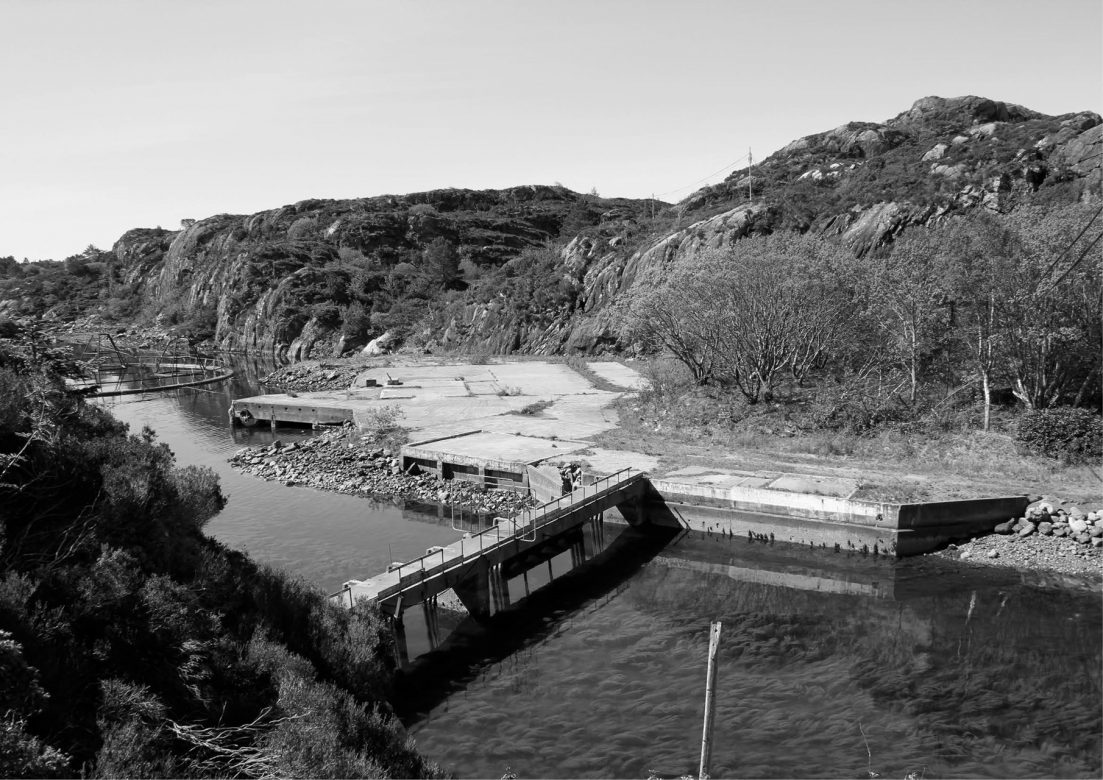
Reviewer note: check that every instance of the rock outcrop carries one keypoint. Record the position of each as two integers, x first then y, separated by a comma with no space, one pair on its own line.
287,281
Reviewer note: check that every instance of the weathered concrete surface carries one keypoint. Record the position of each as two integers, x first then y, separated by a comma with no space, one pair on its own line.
492,448
617,374
839,487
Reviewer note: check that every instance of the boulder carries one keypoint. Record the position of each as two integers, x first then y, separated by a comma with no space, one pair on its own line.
1027,529
935,152
1045,528
380,345
993,553
1060,530
1078,525
1095,532
1004,528
1097,542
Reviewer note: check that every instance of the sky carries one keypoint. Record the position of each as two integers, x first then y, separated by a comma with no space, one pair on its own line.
137,113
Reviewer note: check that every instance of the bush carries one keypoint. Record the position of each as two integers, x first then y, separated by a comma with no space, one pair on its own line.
1072,434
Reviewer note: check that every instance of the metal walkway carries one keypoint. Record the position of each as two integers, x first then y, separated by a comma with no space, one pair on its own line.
473,556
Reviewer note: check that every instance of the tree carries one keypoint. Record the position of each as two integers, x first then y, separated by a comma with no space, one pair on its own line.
747,315
905,295
980,257
1052,320
441,269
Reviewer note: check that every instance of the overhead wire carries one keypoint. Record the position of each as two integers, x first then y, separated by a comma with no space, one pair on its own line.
706,178
1056,260
1075,263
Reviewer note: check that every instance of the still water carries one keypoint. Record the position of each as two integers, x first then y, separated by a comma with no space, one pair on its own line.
830,665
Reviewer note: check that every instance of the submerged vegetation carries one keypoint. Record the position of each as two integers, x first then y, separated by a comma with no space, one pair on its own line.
131,644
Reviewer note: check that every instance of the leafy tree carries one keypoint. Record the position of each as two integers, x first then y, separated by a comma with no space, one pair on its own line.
441,268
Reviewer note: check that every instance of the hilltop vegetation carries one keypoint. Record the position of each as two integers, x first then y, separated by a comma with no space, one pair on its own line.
131,645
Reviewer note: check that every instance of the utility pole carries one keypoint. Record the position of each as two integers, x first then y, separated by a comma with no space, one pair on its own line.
750,169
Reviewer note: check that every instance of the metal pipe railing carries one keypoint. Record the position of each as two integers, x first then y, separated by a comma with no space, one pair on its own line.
580,497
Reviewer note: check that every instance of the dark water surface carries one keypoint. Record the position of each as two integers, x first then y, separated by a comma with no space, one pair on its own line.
830,665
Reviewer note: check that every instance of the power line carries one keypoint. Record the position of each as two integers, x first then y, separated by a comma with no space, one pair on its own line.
1077,262
1084,230
706,178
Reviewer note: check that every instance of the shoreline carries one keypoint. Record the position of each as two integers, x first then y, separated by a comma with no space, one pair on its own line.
333,461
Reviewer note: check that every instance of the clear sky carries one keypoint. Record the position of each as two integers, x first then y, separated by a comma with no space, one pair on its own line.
136,113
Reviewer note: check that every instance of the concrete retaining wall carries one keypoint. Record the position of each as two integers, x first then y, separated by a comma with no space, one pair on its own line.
802,518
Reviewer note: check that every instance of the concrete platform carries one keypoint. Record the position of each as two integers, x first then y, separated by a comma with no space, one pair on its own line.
490,448
617,374
812,484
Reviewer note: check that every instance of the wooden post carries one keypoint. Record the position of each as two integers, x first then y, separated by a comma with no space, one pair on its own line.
710,701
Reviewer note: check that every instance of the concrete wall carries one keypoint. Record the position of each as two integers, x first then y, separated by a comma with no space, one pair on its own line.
780,502
801,518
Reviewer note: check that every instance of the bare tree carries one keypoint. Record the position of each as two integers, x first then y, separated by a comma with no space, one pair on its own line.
905,295
745,316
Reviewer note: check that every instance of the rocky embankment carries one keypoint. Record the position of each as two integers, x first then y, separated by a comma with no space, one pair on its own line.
1049,537
338,461
308,377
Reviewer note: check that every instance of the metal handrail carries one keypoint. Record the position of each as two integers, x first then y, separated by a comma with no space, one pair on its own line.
541,511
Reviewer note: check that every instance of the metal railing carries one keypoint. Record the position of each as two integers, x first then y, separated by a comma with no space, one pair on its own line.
473,545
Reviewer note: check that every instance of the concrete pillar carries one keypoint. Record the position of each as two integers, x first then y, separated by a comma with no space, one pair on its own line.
398,632
474,591
432,626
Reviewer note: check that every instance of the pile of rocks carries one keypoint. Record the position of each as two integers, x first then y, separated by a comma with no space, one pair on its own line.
1049,537
337,461
1046,519
307,377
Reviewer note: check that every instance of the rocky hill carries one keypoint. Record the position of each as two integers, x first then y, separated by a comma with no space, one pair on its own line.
863,183
535,269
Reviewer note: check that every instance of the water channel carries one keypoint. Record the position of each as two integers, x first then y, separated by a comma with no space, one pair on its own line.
831,665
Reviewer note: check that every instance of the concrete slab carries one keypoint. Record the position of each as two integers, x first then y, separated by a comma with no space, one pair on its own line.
840,487
618,374
492,446
597,460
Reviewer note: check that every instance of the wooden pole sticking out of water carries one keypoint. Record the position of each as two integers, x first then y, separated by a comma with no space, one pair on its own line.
710,701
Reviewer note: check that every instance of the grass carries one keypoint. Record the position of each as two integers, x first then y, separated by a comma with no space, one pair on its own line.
687,427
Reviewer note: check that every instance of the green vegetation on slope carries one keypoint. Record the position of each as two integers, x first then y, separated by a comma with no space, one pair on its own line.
133,645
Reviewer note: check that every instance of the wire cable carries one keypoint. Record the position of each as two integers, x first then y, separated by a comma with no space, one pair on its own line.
706,178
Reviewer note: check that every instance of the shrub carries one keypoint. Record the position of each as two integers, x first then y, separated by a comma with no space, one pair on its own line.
1072,434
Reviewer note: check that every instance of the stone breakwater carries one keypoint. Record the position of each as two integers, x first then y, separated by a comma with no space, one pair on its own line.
1066,540
338,462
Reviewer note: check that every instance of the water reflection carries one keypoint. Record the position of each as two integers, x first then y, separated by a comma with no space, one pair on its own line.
965,673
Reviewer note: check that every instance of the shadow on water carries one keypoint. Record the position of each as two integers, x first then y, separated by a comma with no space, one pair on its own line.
439,673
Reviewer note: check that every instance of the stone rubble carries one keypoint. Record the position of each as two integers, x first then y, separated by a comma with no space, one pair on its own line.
1050,536
338,461
307,377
